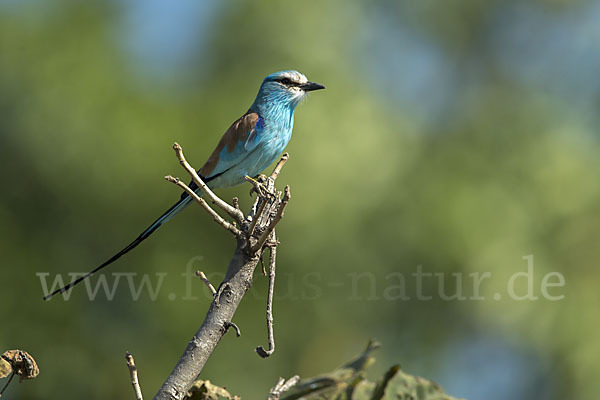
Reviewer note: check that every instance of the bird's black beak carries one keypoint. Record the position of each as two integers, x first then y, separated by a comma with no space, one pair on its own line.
310,86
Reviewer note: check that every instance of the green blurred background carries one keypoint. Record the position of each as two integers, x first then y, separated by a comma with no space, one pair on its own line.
459,136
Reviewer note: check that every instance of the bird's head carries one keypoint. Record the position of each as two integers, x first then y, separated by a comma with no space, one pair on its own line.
284,89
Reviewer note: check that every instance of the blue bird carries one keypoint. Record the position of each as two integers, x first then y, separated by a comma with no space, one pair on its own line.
252,143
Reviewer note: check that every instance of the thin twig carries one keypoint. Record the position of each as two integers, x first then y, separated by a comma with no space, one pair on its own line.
216,217
272,263
204,279
282,386
230,324
232,211
7,383
262,264
134,376
256,217
280,212
284,158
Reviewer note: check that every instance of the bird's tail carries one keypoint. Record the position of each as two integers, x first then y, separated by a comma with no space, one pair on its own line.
166,216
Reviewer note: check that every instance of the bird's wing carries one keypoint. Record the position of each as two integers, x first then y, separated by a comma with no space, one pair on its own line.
241,138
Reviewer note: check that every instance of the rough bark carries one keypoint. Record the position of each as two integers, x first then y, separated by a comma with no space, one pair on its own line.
220,314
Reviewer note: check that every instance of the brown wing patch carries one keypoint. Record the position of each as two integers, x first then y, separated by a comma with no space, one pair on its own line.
237,131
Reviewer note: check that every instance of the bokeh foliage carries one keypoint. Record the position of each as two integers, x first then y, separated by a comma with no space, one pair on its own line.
498,159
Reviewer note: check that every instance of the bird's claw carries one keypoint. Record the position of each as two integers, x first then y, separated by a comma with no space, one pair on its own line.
258,186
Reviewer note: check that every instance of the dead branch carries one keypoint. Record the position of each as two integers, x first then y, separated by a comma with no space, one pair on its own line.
272,262
251,234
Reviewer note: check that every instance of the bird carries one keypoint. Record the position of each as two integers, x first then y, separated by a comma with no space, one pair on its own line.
252,143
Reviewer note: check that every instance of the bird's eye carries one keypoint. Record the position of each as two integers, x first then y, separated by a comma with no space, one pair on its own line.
285,81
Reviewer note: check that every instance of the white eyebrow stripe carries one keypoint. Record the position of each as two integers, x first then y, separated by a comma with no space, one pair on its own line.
295,77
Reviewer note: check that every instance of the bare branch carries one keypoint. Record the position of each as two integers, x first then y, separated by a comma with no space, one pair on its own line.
238,280
264,215
232,211
272,263
134,376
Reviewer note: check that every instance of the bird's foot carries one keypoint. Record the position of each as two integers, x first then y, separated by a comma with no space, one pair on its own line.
259,185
